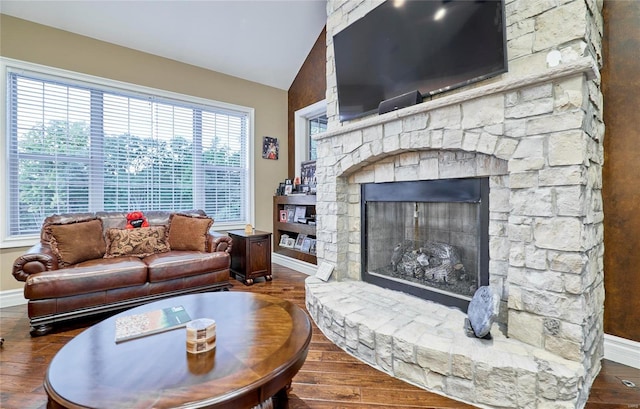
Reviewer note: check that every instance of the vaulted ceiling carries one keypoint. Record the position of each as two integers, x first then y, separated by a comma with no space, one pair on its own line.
264,41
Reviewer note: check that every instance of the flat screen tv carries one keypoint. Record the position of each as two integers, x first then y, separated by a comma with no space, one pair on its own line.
430,46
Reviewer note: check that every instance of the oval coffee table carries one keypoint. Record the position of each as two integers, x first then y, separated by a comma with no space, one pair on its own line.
261,343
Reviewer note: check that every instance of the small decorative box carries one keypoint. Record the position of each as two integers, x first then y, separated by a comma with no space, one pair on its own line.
201,335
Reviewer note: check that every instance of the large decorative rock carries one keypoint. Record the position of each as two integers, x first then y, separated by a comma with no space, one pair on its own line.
482,312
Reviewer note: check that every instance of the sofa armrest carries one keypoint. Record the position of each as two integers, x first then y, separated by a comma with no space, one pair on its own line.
37,259
219,242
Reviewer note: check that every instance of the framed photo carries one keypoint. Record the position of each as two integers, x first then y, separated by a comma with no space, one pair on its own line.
306,244
299,241
290,212
270,148
283,216
283,240
308,173
288,189
312,248
300,215
281,189
304,188
290,243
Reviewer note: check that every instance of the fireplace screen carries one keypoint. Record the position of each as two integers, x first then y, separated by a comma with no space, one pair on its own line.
427,238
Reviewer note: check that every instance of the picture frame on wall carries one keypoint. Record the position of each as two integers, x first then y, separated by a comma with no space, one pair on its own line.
270,148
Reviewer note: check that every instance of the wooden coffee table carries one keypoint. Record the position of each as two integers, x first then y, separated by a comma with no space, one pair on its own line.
262,342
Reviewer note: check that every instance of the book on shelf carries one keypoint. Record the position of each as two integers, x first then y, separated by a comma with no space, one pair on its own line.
151,322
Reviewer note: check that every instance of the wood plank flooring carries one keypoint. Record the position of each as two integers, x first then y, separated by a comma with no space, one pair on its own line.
329,379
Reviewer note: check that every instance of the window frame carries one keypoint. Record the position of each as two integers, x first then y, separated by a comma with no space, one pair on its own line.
8,65
301,123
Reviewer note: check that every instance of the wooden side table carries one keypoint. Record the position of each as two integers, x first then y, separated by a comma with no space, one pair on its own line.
251,255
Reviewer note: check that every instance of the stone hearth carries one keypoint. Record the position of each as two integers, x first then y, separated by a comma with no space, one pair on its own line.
536,132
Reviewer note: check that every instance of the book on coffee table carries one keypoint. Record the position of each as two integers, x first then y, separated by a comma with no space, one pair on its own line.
152,322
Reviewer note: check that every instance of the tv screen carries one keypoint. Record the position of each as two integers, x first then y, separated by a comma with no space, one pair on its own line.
430,46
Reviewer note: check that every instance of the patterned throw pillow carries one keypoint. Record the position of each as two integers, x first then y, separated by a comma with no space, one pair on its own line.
140,242
189,232
74,243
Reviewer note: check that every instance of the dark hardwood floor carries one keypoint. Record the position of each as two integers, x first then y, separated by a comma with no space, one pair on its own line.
330,378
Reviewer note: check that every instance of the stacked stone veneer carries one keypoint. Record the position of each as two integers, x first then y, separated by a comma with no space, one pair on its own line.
420,341
537,133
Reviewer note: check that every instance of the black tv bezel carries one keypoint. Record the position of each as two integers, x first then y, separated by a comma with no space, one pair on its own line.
427,94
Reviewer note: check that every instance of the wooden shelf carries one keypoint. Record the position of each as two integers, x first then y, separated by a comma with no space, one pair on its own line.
309,230
293,229
296,200
297,254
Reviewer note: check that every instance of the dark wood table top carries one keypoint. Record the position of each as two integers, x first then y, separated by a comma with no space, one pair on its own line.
262,341
254,232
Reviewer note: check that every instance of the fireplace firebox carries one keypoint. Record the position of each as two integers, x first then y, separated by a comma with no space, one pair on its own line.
427,238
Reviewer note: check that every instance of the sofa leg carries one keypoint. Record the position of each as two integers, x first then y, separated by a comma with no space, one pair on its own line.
40,330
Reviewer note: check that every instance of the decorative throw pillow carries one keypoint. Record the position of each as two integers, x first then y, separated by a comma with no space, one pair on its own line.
189,232
74,243
140,242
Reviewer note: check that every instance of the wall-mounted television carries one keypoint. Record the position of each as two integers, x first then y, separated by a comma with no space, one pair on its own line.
430,46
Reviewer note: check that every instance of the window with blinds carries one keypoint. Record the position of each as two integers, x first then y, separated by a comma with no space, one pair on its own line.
80,147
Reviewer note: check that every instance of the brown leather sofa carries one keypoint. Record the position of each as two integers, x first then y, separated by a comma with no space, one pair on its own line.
71,273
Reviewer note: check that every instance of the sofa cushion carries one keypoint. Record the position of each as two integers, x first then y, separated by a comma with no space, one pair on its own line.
87,277
76,242
140,242
189,233
176,264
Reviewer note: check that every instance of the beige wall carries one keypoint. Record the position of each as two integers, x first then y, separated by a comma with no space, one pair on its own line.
26,41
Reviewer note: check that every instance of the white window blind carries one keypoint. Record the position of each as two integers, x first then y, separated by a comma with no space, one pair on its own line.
80,147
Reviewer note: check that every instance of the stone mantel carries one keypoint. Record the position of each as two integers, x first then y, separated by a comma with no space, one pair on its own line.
582,66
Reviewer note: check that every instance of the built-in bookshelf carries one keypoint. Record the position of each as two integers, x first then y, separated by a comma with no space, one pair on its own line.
294,229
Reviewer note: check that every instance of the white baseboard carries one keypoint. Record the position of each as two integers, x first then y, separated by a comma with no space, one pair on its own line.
9,298
622,350
294,264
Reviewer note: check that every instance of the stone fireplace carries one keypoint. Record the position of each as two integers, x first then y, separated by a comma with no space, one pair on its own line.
535,134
